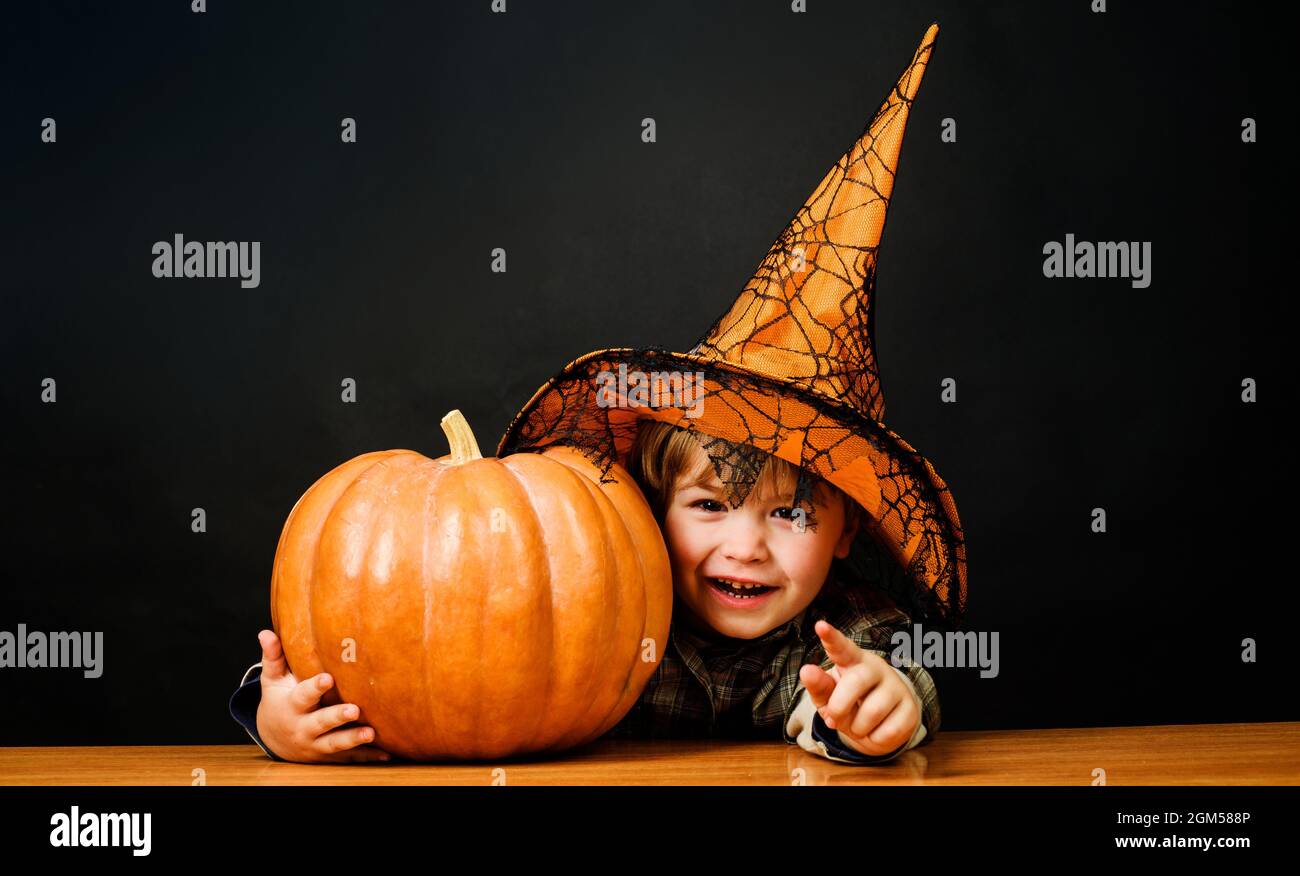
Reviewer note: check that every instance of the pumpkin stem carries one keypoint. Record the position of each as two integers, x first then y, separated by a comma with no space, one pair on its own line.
461,438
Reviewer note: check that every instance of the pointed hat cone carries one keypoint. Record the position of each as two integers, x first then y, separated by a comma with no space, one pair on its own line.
806,314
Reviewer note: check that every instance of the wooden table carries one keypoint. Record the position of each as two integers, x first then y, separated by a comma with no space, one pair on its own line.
1180,754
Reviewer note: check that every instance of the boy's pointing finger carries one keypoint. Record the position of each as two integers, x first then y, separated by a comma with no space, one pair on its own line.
839,647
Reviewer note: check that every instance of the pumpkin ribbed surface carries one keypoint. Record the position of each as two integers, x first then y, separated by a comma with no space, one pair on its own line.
474,608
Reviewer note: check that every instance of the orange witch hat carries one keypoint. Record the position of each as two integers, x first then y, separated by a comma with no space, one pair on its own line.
790,370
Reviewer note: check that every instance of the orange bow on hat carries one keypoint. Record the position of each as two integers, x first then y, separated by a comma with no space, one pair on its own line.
790,370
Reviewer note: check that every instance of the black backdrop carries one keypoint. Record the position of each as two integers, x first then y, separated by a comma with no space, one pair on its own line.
522,131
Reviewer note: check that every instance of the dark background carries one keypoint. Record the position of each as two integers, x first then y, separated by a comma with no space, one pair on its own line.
523,131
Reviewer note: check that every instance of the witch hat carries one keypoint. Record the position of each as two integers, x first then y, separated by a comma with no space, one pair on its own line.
790,370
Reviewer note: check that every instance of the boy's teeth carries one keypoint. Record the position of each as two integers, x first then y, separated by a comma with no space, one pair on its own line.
737,583
734,586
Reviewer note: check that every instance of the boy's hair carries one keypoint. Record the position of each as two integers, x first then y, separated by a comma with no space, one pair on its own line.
662,452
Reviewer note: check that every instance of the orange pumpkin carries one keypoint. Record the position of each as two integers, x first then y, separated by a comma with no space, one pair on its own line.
474,608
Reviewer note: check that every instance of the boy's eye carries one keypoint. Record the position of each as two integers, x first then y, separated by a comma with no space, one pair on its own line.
701,503
790,513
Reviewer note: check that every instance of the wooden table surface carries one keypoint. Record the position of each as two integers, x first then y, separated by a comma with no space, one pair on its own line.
1180,754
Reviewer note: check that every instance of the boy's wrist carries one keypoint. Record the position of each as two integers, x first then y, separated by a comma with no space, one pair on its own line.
852,744
837,746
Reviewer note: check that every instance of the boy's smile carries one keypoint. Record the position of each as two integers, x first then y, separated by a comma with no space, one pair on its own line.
741,572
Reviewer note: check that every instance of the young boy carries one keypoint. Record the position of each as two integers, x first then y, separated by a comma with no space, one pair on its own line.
737,665
759,591
784,386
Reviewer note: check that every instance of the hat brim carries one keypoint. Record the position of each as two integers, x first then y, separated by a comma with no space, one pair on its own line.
910,511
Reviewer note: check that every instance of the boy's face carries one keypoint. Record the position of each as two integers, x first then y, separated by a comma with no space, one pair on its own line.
761,541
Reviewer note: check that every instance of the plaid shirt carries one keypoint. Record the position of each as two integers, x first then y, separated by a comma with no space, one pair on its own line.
747,688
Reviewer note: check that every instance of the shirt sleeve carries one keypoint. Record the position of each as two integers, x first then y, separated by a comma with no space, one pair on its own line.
807,730
244,702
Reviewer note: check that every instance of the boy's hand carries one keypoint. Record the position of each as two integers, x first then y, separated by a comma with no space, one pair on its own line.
292,723
861,696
